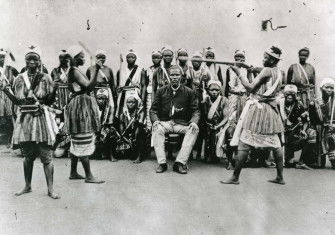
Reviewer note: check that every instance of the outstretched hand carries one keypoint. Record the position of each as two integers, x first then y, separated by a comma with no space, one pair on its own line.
194,127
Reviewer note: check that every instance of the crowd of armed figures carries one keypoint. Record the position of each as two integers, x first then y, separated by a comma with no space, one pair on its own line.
221,112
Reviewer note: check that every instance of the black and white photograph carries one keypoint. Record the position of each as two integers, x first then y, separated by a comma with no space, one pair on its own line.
178,117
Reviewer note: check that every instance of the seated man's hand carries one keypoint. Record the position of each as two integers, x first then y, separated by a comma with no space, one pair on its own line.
194,127
155,125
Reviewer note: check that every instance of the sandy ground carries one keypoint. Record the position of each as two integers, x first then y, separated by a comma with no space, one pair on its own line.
136,200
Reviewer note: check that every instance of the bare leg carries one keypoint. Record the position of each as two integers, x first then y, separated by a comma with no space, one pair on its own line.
89,176
49,176
278,156
242,156
74,174
28,166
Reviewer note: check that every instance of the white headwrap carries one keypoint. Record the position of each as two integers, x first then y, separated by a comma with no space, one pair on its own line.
214,82
74,50
326,81
156,52
197,54
62,52
272,53
182,50
100,52
167,48
3,51
240,53
136,98
209,49
33,50
102,92
290,88
131,51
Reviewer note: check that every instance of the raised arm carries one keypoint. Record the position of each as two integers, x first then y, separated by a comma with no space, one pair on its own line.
254,85
83,81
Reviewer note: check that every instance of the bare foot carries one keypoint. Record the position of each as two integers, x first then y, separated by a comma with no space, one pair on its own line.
76,176
231,181
277,181
94,181
113,159
137,161
23,191
53,195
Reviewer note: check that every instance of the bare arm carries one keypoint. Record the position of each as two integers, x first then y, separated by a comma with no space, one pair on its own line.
253,86
83,81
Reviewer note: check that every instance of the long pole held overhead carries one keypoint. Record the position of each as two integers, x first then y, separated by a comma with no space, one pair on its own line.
219,62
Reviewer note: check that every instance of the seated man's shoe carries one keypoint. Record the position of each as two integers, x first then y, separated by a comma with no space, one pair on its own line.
161,168
179,168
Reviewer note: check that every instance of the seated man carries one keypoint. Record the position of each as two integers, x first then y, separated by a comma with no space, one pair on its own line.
174,110
132,136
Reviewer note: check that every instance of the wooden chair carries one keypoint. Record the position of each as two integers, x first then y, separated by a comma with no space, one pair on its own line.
173,141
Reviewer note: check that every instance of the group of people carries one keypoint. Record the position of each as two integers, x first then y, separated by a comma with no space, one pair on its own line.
239,115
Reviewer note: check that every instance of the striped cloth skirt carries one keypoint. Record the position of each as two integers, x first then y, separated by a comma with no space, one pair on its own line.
82,115
62,96
263,118
82,145
5,105
31,128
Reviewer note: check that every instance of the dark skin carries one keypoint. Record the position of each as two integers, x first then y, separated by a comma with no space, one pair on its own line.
290,99
156,61
28,165
131,59
214,92
102,104
167,58
182,58
2,60
175,76
268,62
303,56
132,105
196,64
64,61
79,60
101,58
210,56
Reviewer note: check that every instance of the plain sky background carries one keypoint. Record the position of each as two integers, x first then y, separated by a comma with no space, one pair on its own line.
145,25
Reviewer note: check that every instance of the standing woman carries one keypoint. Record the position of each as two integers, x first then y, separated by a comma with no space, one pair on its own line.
82,115
34,128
